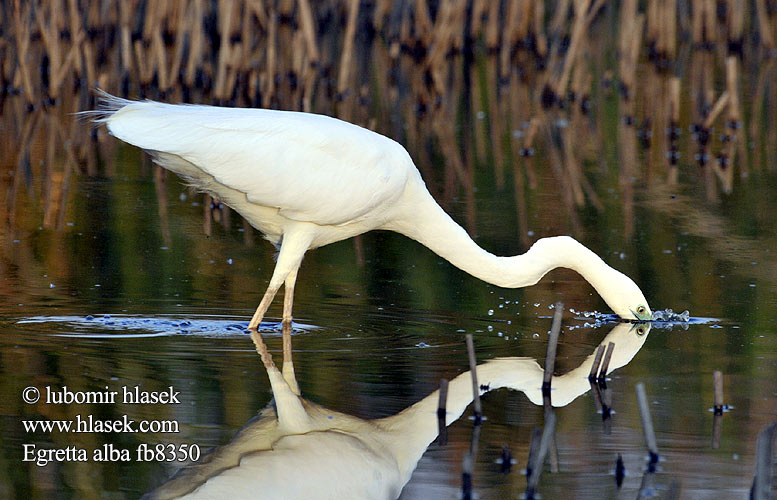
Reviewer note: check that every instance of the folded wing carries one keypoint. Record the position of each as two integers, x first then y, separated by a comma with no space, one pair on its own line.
311,167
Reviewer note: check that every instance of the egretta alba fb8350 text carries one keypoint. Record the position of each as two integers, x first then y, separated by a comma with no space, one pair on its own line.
307,180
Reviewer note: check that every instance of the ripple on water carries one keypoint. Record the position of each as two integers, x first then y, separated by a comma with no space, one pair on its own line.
126,326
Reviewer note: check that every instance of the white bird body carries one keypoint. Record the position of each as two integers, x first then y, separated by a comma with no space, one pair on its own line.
282,170
298,449
307,180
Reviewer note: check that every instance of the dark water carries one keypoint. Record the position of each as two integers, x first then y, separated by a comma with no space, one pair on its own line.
129,291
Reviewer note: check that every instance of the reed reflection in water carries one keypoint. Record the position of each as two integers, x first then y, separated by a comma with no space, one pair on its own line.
295,448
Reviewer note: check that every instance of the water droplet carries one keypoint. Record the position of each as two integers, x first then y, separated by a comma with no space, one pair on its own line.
490,312
535,336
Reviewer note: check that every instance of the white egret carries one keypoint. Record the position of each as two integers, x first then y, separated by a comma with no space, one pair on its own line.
307,180
298,449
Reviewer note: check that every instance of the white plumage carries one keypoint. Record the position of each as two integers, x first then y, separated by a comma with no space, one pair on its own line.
298,449
306,180
281,159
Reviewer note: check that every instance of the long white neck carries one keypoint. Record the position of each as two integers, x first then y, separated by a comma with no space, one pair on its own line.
422,219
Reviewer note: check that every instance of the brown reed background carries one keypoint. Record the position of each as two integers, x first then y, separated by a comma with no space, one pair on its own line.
544,67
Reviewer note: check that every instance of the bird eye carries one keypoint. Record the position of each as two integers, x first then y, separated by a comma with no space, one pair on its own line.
641,309
641,331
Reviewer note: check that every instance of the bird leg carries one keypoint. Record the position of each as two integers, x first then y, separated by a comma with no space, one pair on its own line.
288,295
263,306
288,300
261,348
288,366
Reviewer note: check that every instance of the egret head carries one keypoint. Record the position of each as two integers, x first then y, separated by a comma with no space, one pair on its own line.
626,299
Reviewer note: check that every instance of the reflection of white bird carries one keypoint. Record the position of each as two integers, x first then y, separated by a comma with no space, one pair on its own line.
628,339
307,180
297,449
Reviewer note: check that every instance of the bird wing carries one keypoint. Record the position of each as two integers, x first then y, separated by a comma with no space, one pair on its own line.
312,167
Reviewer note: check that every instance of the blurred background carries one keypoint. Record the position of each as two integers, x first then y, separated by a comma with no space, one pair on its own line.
645,129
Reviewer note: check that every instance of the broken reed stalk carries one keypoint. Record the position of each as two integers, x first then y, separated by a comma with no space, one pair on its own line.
492,28
552,451
550,358
309,31
764,25
343,79
22,31
647,489
725,165
268,86
579,27
736,25
717,409
674,129
466,477
473,372
597,360
596,393
764,464
534,449
225,16
606,400
538,458
442,439
717,385
468,462
606,361
732,87
704,28
423,22
717,430
629,44
620,470
628,17
719,105
647,425
505,460
668,30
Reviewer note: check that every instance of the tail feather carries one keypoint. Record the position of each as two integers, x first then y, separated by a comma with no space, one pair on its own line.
107,105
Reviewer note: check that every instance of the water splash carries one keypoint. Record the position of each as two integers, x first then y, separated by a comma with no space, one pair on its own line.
667,315
664,319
